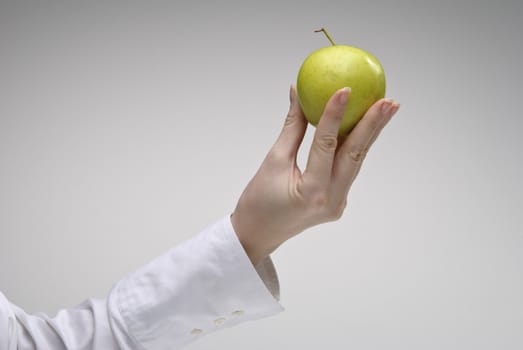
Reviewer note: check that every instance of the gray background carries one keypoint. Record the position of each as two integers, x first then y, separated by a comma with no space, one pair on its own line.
127,127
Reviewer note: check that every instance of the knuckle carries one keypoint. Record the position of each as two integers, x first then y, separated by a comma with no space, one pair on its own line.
275,156
327,143
358,153
334,116
325,207
374,124
319,200
291,118
337,211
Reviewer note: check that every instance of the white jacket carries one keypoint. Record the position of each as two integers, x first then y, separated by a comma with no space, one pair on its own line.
197,287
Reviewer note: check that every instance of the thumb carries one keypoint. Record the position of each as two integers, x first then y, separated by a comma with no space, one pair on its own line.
294,128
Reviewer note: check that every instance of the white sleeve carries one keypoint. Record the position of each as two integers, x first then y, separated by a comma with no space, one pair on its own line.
200,286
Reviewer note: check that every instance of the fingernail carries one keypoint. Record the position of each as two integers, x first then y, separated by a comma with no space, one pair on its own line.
344,95
395,107
386,107
291,94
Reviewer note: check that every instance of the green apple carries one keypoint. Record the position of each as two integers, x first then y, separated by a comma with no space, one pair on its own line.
331,68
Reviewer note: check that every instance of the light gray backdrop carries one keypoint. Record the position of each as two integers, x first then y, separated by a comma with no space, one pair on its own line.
127,127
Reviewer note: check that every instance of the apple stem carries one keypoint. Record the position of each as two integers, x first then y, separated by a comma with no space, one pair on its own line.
327,34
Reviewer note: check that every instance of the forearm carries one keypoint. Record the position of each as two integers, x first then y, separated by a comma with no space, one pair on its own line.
198,287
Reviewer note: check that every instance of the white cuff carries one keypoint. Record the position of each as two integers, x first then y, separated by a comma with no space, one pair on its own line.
197,287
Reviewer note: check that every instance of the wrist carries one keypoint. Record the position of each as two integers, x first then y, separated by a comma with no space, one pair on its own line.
250,240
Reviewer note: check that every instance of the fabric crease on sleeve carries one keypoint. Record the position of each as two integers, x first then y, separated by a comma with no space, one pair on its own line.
197,287
200,286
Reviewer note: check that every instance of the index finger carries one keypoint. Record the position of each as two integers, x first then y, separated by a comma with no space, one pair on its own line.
323,148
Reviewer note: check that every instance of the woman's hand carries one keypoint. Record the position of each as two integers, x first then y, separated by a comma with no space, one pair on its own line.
281,201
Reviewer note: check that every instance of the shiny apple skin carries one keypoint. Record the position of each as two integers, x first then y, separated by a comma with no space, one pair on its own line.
331,68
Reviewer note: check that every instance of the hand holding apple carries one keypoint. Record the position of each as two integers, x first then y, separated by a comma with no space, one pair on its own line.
281,200
331,68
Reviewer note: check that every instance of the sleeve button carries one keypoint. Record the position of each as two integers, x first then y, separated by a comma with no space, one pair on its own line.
219,321
196,331
238,313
